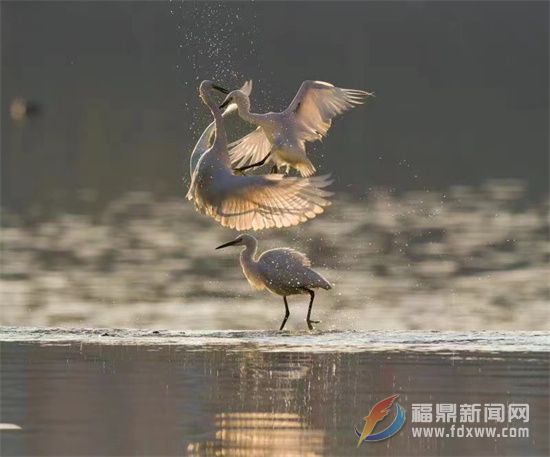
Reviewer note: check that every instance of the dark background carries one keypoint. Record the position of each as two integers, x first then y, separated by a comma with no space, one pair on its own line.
461,90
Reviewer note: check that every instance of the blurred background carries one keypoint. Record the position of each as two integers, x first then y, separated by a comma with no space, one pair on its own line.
440,217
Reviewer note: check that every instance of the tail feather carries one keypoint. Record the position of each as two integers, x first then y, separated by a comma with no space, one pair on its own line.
305,168
326,285
322,282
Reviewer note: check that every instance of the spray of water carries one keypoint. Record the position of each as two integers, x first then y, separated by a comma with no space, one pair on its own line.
216,40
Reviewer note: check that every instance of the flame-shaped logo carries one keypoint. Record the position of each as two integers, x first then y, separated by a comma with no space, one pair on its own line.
377,413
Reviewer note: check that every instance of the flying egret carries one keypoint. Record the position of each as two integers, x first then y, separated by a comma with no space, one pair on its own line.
205,139
281,137
250,202
282,271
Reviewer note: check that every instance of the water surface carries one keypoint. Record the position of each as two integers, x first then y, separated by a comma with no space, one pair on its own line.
136,392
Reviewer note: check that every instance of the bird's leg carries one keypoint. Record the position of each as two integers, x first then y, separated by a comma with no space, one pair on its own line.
287,313
274,170
252,165
308,319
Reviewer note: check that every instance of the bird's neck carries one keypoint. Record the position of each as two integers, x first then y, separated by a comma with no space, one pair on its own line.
248,254
202,145
245,114
221,136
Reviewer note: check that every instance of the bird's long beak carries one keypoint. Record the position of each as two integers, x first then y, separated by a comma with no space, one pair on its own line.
226,102
230,243
223,90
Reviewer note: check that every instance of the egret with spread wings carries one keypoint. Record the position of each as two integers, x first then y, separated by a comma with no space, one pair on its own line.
250,202
281,137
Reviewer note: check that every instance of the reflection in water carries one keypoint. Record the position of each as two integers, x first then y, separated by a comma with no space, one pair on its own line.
472,258
260,434
82,398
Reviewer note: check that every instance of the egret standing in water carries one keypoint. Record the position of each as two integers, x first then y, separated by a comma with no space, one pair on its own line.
250,202
280,137
282,271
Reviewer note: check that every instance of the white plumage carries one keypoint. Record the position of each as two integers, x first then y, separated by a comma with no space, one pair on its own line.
282,271
206,138
250,202
281,137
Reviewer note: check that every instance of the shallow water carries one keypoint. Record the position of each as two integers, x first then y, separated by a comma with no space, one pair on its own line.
247,393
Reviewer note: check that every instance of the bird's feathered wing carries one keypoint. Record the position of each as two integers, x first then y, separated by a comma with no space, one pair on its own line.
291,256
291,268
249,149
300,257
262,202
317,102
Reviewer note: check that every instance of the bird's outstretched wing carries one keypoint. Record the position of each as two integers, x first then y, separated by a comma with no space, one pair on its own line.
262,202
317,102
249,149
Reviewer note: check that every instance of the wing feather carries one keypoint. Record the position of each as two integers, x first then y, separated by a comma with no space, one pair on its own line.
261,202
317,103
249,149
298,257
291,270
285,259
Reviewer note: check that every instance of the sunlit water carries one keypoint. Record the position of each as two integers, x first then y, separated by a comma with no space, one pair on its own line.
247,393
469,258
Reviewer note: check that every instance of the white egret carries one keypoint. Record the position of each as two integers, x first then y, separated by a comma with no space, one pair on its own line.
280,137
206,138
250,202
282,271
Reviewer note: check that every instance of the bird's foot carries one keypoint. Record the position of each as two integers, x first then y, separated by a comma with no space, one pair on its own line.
312,322
238,171
274,170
